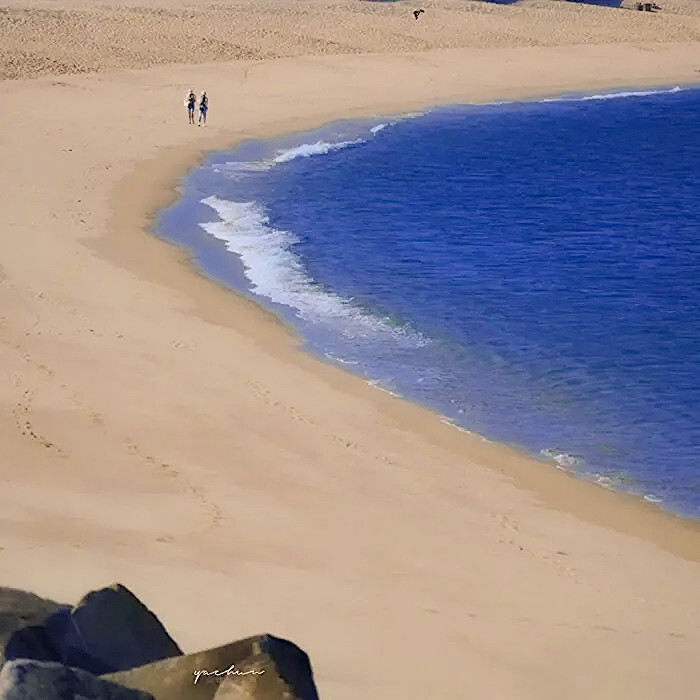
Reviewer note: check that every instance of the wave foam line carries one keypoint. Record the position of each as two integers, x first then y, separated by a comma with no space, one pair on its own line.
563,460
374,383
306,150
340,360
452,424
236,169
277,273
613,95
643,93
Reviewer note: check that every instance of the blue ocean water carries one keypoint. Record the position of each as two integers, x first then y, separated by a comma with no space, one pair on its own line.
529,270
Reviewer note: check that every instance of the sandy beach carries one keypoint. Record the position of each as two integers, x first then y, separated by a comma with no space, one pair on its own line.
160,431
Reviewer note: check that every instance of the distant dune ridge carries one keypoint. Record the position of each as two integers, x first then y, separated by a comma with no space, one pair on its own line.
40,37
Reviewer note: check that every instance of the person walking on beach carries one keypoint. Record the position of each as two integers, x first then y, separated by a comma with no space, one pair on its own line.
203,107
190,103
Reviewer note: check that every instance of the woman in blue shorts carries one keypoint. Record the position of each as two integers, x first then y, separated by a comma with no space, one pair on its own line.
203,107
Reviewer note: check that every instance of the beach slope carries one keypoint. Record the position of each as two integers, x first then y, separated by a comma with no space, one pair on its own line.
162,432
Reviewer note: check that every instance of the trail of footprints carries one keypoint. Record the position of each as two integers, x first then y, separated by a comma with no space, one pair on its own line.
22,414
213,510
506,523
24,422
23,409
267,397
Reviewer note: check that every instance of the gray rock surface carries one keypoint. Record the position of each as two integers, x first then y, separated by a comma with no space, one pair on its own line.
25,679
20,609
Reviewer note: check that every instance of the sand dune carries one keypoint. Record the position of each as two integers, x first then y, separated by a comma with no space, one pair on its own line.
41,38
160,431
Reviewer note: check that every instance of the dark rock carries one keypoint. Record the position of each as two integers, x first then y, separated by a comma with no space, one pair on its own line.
26,679
31,643
291,664
20,609
257,668
108,630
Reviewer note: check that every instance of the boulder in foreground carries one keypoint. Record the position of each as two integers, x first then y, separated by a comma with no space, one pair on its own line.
19,609
35,680
108,630
111,634
257,668
31,643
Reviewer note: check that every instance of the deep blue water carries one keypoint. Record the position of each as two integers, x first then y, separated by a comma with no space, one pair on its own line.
529,270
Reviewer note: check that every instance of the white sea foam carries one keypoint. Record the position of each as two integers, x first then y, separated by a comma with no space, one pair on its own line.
642,93
277,273
606,482
613,95
237,170
563,460
245,166
374,383
313,149
396,120
452,424
340,360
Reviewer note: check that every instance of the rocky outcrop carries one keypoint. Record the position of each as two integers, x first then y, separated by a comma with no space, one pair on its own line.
108,630
257,668
19,609
36,680
111,634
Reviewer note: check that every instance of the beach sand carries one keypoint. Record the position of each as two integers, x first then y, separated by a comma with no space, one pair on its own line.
160,431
